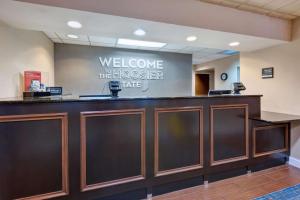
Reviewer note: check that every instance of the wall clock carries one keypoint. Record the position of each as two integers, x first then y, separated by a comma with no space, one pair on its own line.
224,76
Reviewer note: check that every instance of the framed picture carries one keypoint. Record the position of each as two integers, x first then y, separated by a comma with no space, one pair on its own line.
268,72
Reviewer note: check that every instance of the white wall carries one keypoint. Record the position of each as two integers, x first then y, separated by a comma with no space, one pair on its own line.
225,65
280,94
22,50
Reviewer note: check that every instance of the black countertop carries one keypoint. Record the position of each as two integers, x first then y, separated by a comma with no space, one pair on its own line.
273,117
57,99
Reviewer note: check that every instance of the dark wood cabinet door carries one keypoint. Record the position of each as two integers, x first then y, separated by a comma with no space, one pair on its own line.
270,139
112,148
33,156
229,137
178,140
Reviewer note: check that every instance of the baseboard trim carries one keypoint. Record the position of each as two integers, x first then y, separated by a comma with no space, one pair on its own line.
294,162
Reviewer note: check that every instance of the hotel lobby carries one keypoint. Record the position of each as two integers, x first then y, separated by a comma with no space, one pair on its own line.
149,100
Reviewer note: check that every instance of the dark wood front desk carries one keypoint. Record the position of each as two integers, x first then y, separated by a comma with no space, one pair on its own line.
129,147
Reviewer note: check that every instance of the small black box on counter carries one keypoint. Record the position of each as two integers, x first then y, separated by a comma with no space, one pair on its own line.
36,94
50,91
54,90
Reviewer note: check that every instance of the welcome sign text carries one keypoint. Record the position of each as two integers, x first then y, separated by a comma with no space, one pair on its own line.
131,71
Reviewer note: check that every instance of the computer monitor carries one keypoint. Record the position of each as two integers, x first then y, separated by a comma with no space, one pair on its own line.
115,87
237,87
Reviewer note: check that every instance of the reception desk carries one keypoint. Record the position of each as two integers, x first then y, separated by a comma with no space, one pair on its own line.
128,148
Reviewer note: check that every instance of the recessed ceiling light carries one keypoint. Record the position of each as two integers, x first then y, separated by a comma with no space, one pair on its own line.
140,43
139,32
74,24
72,36
191,38
234,44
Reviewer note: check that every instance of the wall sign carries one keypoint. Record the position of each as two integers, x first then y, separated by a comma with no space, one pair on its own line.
268,72
131,72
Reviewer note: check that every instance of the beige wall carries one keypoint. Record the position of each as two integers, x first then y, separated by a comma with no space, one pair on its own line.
22,50
225,65
281,94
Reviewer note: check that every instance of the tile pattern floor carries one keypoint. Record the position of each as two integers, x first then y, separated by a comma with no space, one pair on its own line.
240,188
290,193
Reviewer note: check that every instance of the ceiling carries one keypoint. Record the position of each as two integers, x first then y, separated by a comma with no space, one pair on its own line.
104,30
200,54
285,9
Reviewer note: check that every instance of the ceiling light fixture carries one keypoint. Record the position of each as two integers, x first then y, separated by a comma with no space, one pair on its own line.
72,36
74,24
140,43
139,32
234,44
229,52
191,38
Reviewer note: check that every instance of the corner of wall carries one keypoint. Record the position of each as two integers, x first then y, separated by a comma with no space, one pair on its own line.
295,29
193,80
2,23
24,50
223,65
294,162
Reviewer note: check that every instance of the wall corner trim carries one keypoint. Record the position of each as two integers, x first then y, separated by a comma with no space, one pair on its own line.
294,162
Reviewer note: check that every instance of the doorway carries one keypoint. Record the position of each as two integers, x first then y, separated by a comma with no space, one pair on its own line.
202,84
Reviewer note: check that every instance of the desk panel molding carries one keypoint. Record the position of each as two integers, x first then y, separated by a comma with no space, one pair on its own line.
286,139
158,111
63,117
84,116
214,108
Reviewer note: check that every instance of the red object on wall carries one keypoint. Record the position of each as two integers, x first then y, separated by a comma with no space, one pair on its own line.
29,76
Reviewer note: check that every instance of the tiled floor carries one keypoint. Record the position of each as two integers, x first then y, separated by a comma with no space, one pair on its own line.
241,187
